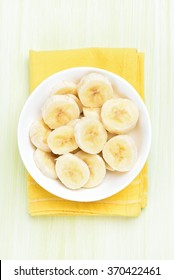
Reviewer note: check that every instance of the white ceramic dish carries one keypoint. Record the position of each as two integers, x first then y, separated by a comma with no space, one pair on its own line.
114,181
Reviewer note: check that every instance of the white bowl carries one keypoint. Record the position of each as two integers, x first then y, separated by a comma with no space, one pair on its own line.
114,181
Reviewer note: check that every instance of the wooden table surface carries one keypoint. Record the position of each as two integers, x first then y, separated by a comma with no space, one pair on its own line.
63,24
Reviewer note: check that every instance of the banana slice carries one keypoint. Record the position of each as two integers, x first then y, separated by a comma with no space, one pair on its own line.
72,171
94,89
120,153
77,100
64,87
92,112
39,132
96,167
46,163
119,115
62,140
90,135
58,110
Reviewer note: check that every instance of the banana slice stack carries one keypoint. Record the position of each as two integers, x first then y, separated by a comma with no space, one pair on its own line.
83,132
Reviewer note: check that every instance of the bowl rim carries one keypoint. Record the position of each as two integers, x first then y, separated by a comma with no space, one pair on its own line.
147,147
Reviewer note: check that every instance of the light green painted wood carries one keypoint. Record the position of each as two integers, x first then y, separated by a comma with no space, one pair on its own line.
62,24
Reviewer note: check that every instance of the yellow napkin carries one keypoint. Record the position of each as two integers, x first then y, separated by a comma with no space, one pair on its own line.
127,63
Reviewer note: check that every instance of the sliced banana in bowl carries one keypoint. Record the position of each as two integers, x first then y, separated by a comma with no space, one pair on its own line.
46,163
119,115
120,153
58,110
90,135
39,132
94,89
62,140
71,136
72,171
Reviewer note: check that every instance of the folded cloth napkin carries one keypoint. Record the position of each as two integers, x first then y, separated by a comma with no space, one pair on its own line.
127,63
